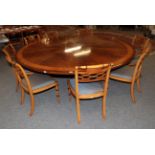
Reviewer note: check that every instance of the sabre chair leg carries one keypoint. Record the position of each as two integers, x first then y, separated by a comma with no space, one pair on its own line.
32,105
103,108
22,95
17,84
132,93
69,92
78,110
138,85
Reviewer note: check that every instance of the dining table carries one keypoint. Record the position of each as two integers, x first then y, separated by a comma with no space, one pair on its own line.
61,55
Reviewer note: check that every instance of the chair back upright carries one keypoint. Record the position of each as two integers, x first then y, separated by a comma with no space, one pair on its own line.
138,40
138,67
22,78
147,43
92,74
10,54
141,43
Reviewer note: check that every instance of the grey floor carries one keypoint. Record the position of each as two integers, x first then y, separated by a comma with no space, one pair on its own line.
121,113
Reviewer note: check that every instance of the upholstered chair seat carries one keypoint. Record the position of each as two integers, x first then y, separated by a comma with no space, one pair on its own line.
38,81
88,88
124,72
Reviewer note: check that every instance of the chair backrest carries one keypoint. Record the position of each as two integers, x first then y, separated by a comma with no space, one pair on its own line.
31,38
138,67
147,43
22,77
10,53
92,74
141,44
139,41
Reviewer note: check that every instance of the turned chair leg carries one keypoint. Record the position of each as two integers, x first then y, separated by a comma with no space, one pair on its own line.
57,92
69,92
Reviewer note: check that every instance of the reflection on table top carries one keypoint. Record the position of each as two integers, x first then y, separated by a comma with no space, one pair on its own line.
62,55
17,29
60,28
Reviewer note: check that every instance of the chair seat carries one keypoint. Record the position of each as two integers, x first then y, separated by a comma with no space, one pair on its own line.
39,80
124,72
87,87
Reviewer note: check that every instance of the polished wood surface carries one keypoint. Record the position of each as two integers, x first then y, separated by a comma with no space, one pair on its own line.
95,48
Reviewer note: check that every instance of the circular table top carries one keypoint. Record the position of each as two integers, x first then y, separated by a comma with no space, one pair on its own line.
61,56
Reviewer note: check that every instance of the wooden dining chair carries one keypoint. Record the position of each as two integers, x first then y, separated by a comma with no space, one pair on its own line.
10,55
31,38
90,82
34,84
131,73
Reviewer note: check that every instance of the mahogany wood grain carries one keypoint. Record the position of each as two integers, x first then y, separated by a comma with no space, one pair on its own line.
51,58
